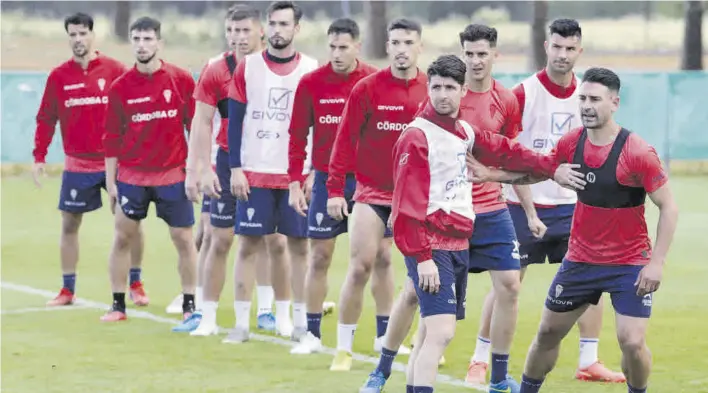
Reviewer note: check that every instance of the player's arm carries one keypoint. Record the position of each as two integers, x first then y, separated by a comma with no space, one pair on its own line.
205,97
115,126
47,117
668,217
237,113
411,174
354,119
300,123
189,102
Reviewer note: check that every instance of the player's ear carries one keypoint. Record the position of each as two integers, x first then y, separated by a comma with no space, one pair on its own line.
615,102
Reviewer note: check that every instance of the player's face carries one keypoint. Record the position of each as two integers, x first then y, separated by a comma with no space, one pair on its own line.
343,51
80,39
479,57
404,48
243,36
145,45
282,28
597,104
562,52
445,94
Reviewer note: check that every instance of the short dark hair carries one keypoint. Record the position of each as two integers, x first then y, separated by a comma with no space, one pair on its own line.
285,5
566,28
344,26
78,18
239,12
147,23
603,76
405,24
477,32
448,66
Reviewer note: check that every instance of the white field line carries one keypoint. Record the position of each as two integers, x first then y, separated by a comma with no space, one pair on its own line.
84,303
29,310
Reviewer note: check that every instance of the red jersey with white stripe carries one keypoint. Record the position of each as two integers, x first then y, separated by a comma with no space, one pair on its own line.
146,122
319,102
378,109
77,99
430,197
616,236
212,88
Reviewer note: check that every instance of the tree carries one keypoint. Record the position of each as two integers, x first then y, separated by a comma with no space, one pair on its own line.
692,58
121,23
537,59
375,42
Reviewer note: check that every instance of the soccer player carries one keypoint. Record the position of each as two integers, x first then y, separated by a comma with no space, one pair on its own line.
377,110
75,95
148,109
609,248
433,209
244,34
260,108
549,105
319,102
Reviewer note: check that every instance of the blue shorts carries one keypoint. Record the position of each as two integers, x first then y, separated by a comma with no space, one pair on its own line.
554,243
223,210
206,203
81,192
266,212
493,244
452,268
577,284
319,224
171,203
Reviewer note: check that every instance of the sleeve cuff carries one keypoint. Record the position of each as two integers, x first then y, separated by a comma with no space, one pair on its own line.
423,256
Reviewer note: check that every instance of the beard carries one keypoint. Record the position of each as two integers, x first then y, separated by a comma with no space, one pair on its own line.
147,60
279,42
80,51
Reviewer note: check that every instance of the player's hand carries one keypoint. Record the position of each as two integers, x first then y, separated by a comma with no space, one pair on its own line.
536,226
476,172
567,177
389,222
307,187
192,186
297,199
210,184
428,276
38,172
112,196
337,208
649,278
239,184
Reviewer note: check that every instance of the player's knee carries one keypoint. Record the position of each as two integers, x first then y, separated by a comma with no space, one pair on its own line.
70,223
410,298
321,259
631,343
221,241
123,239
360,272
441,333
549,335
182,239
277,244
507,289
249,245
383,256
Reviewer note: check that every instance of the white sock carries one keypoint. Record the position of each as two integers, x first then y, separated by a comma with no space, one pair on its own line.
199,298
300,315
282,312
588,352
243,314
265,296
482,350
209,312
345,337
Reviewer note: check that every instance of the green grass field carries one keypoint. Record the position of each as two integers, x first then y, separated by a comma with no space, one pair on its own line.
69,350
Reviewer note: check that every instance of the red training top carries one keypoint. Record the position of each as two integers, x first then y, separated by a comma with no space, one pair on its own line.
319,102
212,87
145,125
616,236
77,99
378,109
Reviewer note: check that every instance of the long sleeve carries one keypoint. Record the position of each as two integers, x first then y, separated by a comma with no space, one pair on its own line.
300,123
114,124
237,112
47,117
343,159
411,173
189,101
499,151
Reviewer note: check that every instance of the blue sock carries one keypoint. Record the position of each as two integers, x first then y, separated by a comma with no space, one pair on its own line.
314,320
70,282
500,367
530,385
386,361
409,389
134,274
635,390
381,325
422,389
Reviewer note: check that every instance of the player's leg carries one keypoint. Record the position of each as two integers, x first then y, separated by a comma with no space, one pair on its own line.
367,229
80,193
137,290
264,283
203,250
383,289
415,353
254,220
275,254
131,209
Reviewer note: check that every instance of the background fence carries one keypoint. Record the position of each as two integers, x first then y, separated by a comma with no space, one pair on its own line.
669,110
